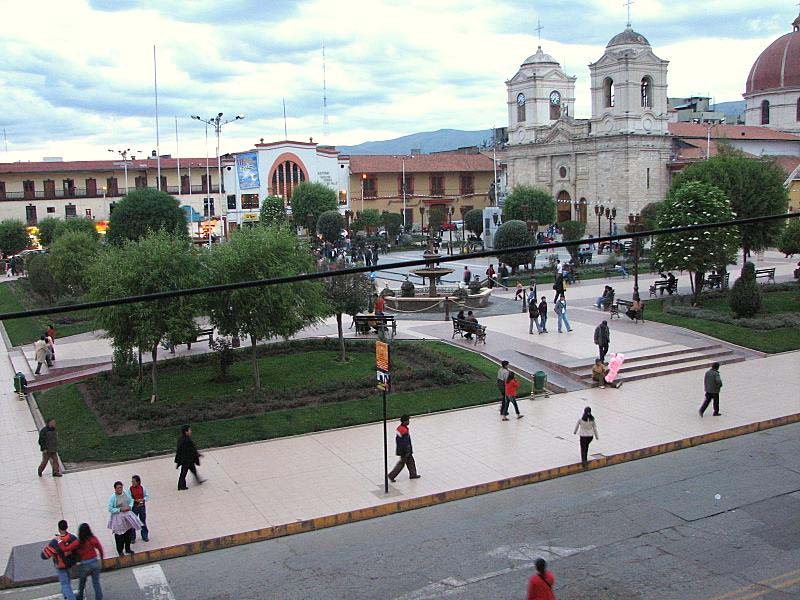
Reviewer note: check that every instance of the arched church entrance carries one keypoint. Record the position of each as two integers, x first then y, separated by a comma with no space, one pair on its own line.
564,204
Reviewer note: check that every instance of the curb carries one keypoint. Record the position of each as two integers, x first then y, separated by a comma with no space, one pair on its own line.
390,508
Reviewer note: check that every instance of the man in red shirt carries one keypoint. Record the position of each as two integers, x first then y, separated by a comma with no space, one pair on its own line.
404,450
379,304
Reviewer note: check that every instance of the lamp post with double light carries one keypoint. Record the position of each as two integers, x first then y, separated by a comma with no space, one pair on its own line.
124,155
363,180
598,212
634,224
450,211
611,214
217,123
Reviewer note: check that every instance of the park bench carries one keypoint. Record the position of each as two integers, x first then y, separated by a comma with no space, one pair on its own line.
366,323
463,327
663,285
716,281
584,257
623,306
611,272
768,274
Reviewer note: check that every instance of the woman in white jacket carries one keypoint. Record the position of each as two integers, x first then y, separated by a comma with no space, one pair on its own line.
588,431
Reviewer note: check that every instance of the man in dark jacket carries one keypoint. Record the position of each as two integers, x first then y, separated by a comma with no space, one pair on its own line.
602,337
712,384
61,549
187,457
48,444
404,450
543,315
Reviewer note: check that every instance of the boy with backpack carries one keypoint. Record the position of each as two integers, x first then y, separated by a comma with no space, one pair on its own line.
61,550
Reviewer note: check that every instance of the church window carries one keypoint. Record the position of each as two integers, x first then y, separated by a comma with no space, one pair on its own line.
648,178
647,92
608,92
562,172
521,108
765,112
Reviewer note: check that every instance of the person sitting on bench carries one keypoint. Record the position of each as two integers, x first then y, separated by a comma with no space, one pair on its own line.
471,326
635,309
620,268
608,293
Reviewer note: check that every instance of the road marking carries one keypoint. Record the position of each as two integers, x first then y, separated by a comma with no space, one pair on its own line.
153,582
530,552
763,587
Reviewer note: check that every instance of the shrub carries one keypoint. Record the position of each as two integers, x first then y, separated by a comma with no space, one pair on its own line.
789,242
512,234
330,225
41,278
745,297
473,221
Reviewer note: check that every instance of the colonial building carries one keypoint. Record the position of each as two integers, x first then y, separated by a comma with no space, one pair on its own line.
276,169
457,181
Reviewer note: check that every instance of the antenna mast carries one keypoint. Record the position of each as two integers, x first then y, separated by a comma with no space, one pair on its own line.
325,123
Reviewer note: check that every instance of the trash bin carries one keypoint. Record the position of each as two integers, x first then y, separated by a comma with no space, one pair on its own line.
539,381
20,382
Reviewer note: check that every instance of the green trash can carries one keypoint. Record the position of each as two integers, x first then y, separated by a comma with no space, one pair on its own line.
539,381
20,382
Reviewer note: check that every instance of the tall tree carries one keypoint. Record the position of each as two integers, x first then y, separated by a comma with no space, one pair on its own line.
144,211
436,219
755,189
573,230
347,295
330,225
263,312
529,203
512,234
273,211
155,263
789,242
82,225
14,237
71,256
368,220
698,252
309,201
40,277
392,222
473,221
47,228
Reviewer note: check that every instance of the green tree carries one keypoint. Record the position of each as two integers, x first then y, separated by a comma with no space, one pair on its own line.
649,215
71,256
529,203
40,277
572,230
698,252
755,189
311,199
47,228
347,295
473,221
513,234
143,211
269,311
330,225
14,237
789,242
392,222
436,219
155,263
81,225
368,220
272,211
745,298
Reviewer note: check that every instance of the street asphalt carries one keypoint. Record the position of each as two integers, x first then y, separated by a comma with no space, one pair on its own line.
715,521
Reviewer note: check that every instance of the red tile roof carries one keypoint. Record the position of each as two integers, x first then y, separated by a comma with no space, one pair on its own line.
787,163
738,132
420,163
103,165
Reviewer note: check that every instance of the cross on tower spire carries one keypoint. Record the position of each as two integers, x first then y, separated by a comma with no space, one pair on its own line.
538,29
628,4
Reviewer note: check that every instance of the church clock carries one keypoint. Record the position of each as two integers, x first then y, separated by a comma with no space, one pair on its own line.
555,98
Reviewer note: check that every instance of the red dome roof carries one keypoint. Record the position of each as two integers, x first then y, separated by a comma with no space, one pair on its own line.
778,66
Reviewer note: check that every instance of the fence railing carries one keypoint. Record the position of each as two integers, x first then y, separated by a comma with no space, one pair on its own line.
60,194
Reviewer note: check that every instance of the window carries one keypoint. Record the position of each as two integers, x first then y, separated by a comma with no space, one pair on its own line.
30,214
608,92
28,189
70,212
208,207
467,184
2,190
521,108
49,188
250,201
89,213
186,186
163,183
437,185
370,187
69,188
562,172
51,210
409,185
140,181
91,188
765,112
646,92
287,176
648,178
231,201
342,198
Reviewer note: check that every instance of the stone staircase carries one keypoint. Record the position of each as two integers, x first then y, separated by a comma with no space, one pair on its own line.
644,366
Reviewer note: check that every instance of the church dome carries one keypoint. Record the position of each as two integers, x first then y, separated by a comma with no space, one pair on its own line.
540,58
629,36
779,65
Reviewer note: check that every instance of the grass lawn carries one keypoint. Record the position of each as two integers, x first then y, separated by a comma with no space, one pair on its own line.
16,295
303,391
770,341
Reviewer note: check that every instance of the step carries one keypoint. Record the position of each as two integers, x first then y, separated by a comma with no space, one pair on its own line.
643,356
658,362
681,368
43,383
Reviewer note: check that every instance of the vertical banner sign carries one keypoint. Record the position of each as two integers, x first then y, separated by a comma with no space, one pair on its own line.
247,170
382,365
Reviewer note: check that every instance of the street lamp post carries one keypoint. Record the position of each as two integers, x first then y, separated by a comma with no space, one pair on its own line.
217,123
611,214
599,212
363,179
450,212
124,155
634,223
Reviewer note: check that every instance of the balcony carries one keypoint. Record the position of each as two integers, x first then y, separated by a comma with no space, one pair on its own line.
61,194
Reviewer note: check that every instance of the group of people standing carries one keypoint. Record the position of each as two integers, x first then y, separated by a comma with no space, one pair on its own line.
44,349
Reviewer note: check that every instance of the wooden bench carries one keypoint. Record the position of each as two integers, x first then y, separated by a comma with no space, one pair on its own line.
663,285
584,257
716,281
625,305
366,323
464,328
768,274
204,335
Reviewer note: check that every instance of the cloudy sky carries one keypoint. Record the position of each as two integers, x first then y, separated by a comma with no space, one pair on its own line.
76,76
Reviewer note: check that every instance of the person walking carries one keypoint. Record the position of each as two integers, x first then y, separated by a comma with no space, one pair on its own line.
588,431
122,520
90,555
48,444
712,384
540,585
560,309
187,458
140,497
512,385
41,355
502,271
533,316
558,286
490,276
502,377
60,550
404,450
602,338
51,349
543,315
